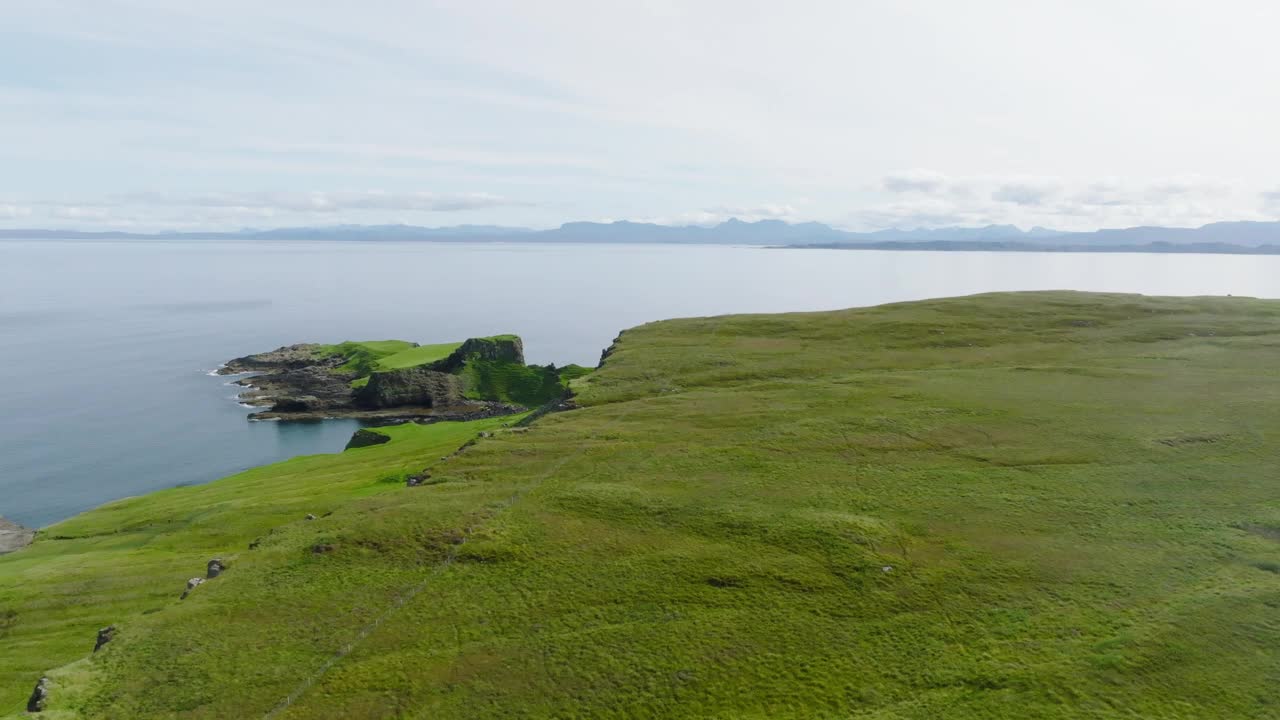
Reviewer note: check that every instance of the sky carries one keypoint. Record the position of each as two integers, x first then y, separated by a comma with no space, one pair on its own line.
864,114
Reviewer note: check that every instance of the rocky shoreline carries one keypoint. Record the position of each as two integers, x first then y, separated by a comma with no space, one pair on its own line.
310,382
14,536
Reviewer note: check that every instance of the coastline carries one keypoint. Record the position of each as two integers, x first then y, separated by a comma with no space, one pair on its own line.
310,382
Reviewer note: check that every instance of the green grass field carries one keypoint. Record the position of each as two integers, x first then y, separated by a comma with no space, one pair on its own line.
364,356
131,558
393,355
1031,505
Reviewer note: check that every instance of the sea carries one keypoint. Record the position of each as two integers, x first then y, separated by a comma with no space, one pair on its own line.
107,348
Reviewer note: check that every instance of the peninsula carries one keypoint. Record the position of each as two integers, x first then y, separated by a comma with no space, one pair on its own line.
398,380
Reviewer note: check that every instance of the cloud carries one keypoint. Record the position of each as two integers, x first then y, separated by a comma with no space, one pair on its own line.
1032,191
327,202
924,181
717,214
215,210
77,212
1271,202
918,213
927,199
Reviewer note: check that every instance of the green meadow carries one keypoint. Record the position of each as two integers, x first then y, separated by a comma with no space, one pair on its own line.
367,357
1022,505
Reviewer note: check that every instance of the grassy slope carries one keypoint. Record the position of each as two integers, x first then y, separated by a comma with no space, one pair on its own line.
409,357
420,355
133,556
1074,495
363,356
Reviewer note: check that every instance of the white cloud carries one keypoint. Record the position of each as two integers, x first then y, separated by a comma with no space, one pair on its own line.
924,181
79,212
1031,191
224,210
930,199
1271,202
915,213
326,202
717,214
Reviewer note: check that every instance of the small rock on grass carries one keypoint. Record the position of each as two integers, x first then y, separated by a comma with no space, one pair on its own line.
39,696
104,636
191,585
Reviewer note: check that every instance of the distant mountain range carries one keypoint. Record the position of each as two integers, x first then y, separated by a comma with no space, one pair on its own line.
1216,237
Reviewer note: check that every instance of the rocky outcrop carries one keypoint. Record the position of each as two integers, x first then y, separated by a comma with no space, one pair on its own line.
504,348
313,382
39,696
290,357
13,536
105,636
415,386
300,389
365,438
613,346
192,584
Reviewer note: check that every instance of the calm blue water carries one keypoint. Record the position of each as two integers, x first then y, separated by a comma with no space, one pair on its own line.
105,346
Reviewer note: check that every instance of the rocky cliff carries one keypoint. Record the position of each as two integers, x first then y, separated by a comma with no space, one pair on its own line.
502,348
419,386
310,381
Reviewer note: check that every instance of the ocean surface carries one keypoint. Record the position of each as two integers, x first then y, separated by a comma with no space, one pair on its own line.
106,347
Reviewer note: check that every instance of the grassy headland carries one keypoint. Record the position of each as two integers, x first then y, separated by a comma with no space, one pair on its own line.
1029,505
371,356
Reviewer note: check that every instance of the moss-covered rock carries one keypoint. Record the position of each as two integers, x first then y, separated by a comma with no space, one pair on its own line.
415,386
499,348
365,438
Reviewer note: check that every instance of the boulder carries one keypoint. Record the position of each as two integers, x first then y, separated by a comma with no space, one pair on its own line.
191,585
418,386
365,438
418,479
39,696
104,636
215,568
